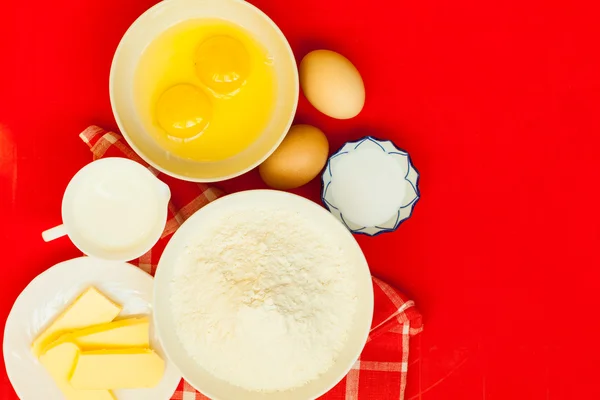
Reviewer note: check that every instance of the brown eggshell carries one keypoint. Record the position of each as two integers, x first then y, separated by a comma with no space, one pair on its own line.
298,159
332,84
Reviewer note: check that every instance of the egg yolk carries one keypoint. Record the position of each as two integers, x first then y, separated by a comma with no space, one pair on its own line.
183,111
222,64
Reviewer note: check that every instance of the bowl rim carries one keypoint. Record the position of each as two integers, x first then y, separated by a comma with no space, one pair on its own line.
260,160
309,204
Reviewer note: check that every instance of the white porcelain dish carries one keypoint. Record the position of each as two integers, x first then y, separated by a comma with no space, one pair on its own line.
411,182
158,19
48,294
218,389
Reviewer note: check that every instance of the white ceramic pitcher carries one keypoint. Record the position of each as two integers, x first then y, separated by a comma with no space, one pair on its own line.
114,209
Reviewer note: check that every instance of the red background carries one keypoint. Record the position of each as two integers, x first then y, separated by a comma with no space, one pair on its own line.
498,105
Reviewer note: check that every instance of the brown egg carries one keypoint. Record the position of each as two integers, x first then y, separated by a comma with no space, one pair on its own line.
332,84
298,159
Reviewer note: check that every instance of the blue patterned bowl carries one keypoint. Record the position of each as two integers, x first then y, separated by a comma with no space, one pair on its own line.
411,179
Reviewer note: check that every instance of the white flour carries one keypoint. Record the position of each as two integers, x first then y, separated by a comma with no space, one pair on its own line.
263,300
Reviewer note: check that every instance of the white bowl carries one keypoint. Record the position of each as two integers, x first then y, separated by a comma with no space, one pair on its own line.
160,18
411,182
218,389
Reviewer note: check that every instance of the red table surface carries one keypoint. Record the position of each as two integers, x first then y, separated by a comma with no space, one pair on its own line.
498,104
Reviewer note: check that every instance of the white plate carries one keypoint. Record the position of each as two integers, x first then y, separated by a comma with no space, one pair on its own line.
329,226
48,294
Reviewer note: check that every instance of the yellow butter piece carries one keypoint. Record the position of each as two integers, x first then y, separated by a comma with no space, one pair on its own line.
59,361
125,333
117,369
90,308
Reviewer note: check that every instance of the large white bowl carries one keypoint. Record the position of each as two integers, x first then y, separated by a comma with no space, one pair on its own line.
163,16
329,226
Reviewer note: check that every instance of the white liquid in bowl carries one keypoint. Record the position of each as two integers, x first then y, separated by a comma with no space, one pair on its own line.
115,208
115,212
369,186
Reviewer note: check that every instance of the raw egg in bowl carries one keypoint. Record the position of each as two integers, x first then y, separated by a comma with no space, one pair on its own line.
204,90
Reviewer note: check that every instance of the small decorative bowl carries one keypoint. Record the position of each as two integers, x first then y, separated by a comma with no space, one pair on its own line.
411,179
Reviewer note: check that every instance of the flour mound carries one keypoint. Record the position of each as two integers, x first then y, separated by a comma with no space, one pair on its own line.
263,300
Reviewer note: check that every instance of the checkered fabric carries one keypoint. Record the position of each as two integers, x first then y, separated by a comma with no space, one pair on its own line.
379,374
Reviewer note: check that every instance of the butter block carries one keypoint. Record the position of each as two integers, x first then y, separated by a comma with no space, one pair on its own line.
125,333
90,308
60,361
117,369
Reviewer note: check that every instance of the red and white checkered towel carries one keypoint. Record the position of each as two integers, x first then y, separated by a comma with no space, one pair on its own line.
379,374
